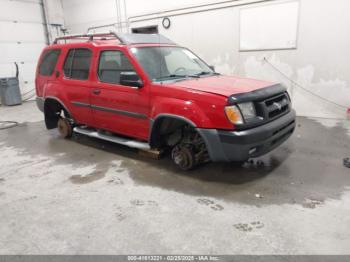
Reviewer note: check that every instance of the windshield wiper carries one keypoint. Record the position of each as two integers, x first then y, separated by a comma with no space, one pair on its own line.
206,73
203,73
178,76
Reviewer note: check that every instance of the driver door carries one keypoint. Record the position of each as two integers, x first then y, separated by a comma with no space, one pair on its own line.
119,108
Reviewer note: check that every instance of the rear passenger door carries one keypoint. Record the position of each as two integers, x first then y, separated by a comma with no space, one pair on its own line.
119,108
76,83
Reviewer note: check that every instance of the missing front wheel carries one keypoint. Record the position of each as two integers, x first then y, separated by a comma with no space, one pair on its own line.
190,151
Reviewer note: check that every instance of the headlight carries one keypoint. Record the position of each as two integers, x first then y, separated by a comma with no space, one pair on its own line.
234,115
248,110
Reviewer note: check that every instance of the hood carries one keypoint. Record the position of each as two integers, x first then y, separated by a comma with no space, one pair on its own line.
223,85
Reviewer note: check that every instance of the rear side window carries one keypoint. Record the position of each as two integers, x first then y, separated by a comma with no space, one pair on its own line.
111,64
49,61
77,64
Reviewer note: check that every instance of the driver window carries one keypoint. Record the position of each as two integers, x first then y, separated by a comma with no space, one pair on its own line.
111,65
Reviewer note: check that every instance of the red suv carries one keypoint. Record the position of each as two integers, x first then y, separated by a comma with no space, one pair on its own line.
146,92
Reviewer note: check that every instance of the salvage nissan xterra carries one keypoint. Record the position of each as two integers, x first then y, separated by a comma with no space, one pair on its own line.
145,92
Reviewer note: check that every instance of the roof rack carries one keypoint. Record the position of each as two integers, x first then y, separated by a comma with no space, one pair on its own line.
90,37
124,39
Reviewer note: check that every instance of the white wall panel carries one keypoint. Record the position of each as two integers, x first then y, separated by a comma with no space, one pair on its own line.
20,11
27,72
137,7
22,38
54,10
24,52
271,26
22,32
81,14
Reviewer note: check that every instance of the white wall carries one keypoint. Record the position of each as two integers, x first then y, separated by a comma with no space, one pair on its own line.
81,14
319,63
54,18
139,7
22,37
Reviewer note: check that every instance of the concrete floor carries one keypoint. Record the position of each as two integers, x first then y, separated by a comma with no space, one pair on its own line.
84,196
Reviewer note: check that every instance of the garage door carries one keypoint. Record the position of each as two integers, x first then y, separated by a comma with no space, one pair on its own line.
22,37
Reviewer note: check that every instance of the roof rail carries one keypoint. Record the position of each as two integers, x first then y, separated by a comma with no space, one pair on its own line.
90,37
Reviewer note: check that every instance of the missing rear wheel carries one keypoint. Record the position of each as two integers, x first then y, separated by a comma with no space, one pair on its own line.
64,128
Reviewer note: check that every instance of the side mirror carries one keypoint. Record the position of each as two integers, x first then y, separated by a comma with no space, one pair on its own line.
212,67
130,79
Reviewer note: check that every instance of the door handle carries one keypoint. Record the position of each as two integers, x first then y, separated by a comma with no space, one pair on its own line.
97,91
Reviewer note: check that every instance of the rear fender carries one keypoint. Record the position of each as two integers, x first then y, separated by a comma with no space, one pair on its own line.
51,106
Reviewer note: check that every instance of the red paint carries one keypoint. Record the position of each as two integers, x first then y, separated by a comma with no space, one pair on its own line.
224,85
201,101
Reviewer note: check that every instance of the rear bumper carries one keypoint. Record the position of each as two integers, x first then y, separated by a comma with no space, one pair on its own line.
40,103
241,145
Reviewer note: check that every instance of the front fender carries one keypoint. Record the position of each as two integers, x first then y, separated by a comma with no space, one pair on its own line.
184,109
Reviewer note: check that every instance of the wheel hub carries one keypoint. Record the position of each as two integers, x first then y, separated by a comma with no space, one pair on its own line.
183,157
64,128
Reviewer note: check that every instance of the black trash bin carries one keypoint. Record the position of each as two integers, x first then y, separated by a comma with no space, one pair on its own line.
9,90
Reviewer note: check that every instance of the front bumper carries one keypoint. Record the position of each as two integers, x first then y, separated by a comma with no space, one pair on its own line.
241,145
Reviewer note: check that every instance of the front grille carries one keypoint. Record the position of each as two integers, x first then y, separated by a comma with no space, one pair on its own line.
275,106
270,104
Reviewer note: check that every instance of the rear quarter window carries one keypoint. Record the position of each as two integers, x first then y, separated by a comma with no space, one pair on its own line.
77,64
48,62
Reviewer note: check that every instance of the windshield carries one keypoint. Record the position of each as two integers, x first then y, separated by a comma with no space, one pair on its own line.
168,63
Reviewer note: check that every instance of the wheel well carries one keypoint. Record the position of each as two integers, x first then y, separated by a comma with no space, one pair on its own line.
165,126
53,110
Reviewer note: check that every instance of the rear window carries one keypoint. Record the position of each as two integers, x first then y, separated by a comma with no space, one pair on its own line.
77,64
49,61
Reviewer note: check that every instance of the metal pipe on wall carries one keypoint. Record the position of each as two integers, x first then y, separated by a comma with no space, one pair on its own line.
122,21
126,16
104,26
119,16
46,21
202,8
